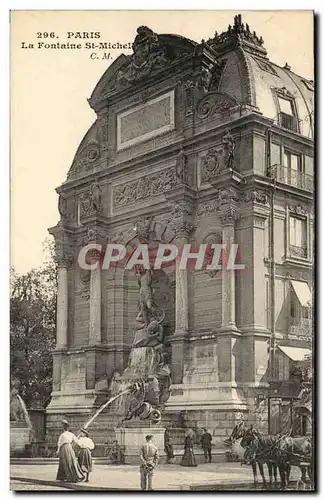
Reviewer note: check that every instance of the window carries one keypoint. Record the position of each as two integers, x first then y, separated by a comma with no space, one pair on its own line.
265,66
297,237
309,84
293,168
285,106
287,114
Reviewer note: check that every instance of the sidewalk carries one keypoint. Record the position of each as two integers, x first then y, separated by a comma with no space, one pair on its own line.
166,477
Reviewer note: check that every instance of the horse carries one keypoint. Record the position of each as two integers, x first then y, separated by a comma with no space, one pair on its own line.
265,448
283,451
298,451
257,456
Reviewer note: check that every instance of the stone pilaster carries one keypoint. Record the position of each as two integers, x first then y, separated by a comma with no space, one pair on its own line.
96,235
252,286
182,226
227,338
63,259
228,275
62,306
95,306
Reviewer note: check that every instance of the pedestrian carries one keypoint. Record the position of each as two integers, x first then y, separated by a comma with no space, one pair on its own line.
188,459
149,460
168,448
69,469
86,445
115,453
206,445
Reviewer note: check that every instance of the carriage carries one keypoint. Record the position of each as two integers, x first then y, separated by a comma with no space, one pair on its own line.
278,452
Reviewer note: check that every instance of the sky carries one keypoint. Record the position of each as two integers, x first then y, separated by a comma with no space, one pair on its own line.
49,91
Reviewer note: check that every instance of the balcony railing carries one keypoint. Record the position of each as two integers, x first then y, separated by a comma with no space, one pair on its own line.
288,122
292,177
298,251
302,329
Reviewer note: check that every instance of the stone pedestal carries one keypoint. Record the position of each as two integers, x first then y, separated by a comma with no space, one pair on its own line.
19,437
132,438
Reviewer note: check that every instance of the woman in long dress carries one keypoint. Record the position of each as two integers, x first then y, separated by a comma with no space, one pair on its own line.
69,469
84,455
188,459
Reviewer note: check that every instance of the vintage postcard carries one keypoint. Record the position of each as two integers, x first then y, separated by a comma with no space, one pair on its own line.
162,250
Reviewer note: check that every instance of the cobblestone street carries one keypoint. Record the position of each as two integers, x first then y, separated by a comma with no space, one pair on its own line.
167,477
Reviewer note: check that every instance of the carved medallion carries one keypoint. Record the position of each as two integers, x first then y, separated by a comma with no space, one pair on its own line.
211,163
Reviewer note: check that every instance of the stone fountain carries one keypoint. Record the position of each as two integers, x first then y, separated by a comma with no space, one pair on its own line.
21,429
148,375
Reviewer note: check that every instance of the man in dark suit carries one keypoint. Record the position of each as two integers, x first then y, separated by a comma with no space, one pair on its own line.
206,445
149,460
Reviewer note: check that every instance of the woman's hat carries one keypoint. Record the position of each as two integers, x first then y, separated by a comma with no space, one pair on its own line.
85,432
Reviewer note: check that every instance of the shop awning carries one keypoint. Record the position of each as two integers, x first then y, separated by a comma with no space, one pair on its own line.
303,293
295,353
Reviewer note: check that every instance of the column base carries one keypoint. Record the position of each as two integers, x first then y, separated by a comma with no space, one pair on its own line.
230,329
255,330
72,402
206,396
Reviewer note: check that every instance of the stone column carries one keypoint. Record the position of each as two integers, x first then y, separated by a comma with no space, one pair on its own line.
181,318
183,228
228,277
227,338
95,306
62,306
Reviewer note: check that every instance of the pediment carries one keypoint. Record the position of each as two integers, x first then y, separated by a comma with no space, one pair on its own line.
152,53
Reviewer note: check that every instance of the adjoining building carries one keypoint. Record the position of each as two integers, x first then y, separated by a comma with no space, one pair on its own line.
193,143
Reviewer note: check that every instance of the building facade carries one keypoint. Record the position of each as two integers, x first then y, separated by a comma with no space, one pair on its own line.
193,143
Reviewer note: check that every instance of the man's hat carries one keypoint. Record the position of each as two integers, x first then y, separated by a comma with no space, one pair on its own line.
64,421
85,432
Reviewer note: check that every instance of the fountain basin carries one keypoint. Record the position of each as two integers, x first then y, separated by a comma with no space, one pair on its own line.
19,436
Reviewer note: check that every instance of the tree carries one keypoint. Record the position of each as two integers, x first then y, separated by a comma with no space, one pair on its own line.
32,330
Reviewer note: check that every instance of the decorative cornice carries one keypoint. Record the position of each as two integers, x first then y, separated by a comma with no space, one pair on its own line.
255,196
297,210
224,200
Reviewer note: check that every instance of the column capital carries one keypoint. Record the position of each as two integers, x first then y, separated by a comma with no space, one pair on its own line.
62,262
63,249
229,214
182,218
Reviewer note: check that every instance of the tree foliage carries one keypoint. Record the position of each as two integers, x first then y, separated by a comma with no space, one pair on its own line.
32,330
